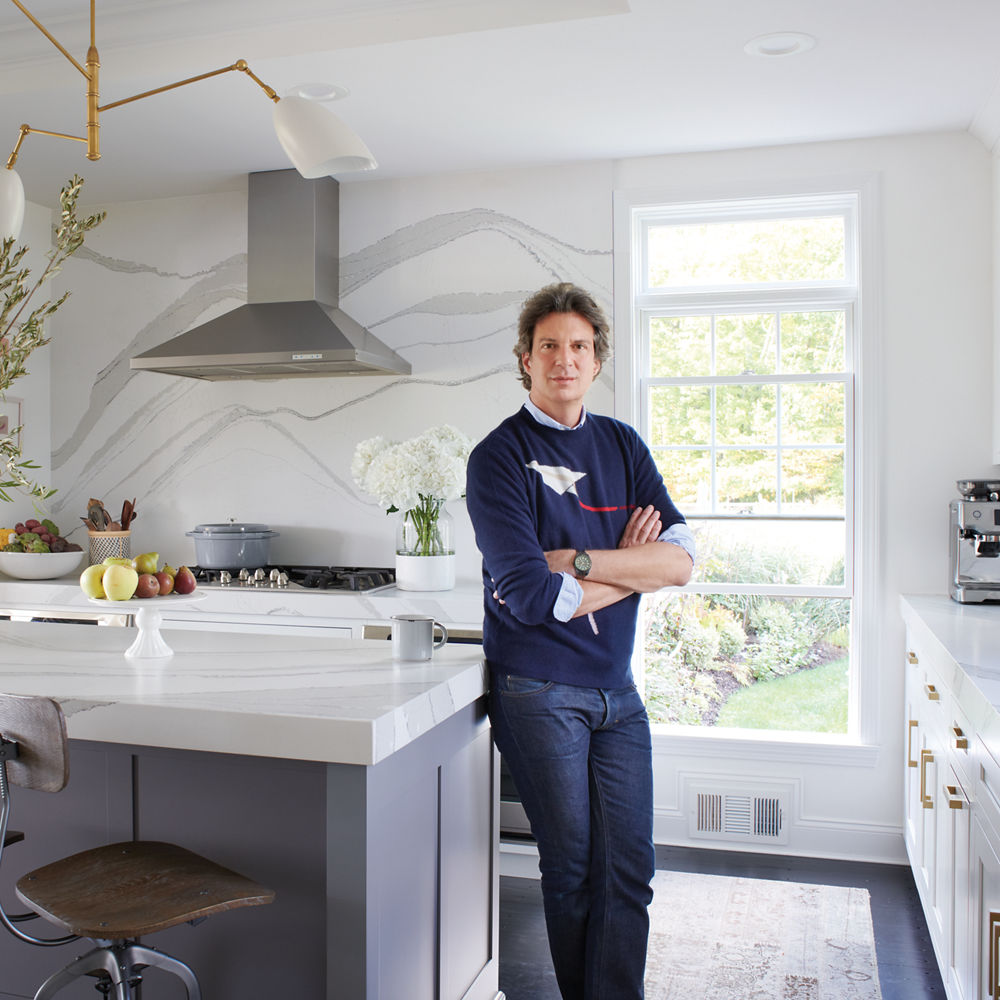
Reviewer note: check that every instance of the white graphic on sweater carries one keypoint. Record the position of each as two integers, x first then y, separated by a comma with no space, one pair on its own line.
557,477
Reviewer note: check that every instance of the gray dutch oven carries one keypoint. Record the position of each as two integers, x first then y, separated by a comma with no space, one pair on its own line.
232,546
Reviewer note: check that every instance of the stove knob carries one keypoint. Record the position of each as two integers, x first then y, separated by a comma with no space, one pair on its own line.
282,579
259,576
225,577
273,576
244,575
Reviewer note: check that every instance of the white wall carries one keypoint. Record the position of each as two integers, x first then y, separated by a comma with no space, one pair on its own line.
932,397
437,267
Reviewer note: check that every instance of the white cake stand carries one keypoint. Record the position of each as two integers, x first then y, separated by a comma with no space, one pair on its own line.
148,613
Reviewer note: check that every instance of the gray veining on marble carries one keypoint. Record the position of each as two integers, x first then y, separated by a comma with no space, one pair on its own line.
443,283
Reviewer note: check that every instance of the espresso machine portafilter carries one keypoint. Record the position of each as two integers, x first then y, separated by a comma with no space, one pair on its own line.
975,542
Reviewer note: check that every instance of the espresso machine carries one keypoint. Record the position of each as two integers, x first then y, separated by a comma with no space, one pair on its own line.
975,542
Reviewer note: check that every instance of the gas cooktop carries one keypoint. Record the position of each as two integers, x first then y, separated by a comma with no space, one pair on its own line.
358,579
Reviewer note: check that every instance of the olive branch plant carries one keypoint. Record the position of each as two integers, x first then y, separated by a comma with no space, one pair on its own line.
21,333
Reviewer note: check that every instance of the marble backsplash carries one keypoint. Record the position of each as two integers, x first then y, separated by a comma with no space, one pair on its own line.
436,267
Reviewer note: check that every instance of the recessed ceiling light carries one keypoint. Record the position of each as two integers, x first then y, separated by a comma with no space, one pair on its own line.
780,43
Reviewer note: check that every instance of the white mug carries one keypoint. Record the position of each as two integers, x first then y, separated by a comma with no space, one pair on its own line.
413,637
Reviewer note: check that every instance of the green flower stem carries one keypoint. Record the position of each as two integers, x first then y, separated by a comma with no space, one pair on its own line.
424,518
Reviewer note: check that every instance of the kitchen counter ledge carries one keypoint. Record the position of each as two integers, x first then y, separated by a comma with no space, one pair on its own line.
460,607
330,700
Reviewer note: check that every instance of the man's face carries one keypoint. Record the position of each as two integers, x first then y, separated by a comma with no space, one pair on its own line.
562,365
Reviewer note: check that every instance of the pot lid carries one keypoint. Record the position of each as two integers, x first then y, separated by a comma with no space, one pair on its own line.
232,529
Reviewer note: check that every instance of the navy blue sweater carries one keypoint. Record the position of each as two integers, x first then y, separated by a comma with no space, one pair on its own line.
531,488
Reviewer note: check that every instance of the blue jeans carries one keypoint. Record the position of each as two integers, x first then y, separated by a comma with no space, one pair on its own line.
582,762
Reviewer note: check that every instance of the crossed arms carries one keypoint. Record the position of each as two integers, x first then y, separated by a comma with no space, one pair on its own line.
640,564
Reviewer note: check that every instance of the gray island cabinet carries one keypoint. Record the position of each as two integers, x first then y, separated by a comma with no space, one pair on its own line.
362,790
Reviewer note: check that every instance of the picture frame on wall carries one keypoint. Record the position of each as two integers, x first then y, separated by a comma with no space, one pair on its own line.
10,417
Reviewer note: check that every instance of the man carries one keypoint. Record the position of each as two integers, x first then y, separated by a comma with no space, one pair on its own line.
574,522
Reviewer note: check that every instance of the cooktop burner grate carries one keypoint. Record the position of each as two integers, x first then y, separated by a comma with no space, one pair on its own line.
360,579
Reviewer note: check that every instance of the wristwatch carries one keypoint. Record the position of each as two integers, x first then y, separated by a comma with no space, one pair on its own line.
582,563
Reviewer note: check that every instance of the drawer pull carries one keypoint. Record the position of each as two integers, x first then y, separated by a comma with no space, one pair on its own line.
912,657
932,692
909,743
993,986
955,799
927,801
961,740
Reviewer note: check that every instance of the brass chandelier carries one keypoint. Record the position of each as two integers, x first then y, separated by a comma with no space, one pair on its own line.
316,141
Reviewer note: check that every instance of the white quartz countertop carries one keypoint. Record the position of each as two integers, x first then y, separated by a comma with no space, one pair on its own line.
969,633
333,700
969,637
461,607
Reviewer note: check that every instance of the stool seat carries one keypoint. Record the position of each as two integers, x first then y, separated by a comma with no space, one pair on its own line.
134,888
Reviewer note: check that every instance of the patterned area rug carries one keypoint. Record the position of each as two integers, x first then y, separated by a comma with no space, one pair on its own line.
713,937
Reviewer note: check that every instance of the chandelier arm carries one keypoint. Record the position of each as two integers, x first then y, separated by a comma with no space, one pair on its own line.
28,130
239,65
41,27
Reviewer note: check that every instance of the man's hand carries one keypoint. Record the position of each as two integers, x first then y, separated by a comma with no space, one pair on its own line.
643,526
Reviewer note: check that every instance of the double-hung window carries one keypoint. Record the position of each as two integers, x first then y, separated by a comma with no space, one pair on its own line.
740,370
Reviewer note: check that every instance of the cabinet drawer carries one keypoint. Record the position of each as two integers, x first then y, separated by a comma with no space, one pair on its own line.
987,790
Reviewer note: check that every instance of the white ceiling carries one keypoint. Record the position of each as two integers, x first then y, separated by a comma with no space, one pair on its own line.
442,85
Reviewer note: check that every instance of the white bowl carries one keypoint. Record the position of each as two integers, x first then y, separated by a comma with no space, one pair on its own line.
39,565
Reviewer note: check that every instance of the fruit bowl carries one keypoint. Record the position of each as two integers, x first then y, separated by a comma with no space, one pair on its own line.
39,565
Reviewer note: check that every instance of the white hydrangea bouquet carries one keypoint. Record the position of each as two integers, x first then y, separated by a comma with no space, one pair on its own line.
417,477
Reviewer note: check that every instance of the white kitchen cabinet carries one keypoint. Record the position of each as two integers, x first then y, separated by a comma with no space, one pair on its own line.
938,811
986,914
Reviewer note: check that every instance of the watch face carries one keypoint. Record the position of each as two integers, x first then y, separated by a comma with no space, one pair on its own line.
582,563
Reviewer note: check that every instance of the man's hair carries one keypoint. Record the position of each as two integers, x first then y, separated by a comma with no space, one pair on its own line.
562,297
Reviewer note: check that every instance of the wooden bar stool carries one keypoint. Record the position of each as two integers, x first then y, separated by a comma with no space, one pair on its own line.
113,894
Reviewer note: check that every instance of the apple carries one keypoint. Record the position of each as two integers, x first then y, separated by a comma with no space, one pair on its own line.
119,582
117,561
166,582
146,563
90,581
147,586
184,582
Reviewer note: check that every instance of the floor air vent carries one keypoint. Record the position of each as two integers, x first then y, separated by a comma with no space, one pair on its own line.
738,816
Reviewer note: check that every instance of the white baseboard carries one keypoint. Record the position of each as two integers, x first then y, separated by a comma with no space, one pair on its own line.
519,859
840,842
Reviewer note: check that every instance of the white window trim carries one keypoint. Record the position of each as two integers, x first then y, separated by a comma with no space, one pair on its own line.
867,548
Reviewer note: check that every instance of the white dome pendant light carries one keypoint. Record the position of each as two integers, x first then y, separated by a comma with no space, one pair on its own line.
11,204
316,141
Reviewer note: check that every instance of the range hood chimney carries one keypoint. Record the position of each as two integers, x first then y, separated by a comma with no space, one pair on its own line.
291,326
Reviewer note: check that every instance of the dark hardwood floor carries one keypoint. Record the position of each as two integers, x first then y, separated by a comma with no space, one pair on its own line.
906,966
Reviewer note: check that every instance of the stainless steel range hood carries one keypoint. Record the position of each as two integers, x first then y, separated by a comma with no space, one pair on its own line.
291,326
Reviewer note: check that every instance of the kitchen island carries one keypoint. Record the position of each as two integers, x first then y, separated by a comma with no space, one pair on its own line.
363,791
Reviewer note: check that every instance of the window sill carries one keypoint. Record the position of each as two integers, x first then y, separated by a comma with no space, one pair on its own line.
821,748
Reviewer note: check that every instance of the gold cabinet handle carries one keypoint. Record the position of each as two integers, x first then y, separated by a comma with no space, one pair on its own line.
961,740
932,692
993,985
909,743
954,798
926,757
912,657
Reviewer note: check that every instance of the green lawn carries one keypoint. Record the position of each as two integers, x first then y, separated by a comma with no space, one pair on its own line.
813,700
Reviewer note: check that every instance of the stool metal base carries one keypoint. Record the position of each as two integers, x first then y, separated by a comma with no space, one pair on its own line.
121,962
